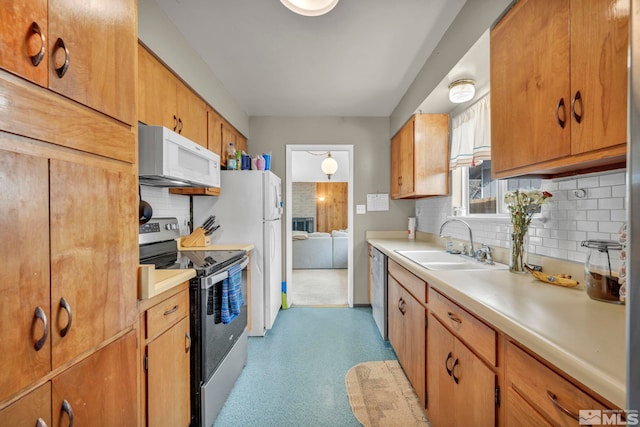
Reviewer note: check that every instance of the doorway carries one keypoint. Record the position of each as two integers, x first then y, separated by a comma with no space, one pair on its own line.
319,224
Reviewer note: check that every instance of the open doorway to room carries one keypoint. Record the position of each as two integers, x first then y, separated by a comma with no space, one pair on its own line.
318,212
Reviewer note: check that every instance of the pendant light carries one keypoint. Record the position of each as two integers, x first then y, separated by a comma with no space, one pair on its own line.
462,91
310,7
329,165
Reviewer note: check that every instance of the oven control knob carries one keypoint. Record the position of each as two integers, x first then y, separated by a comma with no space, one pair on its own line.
167,226
174,226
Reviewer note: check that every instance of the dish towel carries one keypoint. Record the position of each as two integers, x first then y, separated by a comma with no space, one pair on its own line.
232,299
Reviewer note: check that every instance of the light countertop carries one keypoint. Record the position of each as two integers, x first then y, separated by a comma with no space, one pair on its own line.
248,247
580,336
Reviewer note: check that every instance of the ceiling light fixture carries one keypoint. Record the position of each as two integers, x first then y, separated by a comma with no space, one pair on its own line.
462,91
329,165
310,7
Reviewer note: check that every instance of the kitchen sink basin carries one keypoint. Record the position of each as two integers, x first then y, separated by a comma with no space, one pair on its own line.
433,259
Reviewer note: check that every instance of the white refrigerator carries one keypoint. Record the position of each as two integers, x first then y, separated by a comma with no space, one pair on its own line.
249,210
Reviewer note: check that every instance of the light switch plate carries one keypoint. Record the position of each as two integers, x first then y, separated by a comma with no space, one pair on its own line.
361,209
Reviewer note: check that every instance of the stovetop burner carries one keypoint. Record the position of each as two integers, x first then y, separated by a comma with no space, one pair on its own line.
159,247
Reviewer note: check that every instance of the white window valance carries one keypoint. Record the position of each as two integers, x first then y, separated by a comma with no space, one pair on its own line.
471,135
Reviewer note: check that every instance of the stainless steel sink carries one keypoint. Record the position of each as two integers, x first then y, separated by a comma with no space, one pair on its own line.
433,259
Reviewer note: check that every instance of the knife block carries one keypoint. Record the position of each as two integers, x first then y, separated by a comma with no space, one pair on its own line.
197,238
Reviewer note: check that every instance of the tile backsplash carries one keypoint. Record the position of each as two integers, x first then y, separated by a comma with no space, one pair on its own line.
166,205
583,207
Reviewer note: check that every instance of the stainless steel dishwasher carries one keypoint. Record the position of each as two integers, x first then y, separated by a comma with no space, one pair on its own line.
379,291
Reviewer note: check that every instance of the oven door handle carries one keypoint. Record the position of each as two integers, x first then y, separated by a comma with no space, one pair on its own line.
219,277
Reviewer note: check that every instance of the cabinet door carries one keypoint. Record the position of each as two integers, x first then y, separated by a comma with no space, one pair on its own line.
24,276
228,136
475,389
156,92
416,345
168,377
529,79
101,40
599,56
94,254
395,163
31,410
431,154
440,385
100,390
519,412
406,159
192,115
214,135
395,318
20,39
242,142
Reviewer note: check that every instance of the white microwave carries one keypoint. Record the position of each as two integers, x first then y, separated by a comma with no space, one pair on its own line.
168,159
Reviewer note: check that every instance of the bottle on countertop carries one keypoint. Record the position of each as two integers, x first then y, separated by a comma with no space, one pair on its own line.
232,162
238,159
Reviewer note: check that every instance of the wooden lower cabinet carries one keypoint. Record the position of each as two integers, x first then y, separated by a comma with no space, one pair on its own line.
460,387
99,390
541,393
406,318
34,409
166,359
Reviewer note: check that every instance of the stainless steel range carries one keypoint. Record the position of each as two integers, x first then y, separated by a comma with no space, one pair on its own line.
219,350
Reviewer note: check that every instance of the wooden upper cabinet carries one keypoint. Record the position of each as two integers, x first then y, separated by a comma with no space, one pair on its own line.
100,42
192,115
23,36
156,92
214,133
24,276
559,87
420,157
93,263
231,135
29,410
164,100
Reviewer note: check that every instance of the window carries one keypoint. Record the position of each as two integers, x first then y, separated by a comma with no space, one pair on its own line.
475,193
473,190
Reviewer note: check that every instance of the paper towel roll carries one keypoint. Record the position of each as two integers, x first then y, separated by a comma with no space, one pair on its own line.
412,227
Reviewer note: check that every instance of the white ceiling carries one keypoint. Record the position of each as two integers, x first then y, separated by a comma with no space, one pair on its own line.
357,60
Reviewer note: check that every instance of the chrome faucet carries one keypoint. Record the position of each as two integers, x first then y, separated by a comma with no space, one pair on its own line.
471,251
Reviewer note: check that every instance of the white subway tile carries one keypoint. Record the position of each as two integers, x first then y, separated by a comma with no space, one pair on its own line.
599,215
592,235
617,178
567,185
587,226
611,203
588,182
619,215
577,236
610,227
586,204
619,191
599,192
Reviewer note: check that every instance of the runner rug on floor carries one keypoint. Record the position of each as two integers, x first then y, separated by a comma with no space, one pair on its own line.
380,395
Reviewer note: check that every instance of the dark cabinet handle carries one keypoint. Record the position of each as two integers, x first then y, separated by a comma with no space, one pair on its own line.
40,314
187,339
66,407
560,121
175,123
577,98
453,375
173,310
401,305
66,307
554,399
446,363
41,423
61,71
180,126
400,181
454,317
37,58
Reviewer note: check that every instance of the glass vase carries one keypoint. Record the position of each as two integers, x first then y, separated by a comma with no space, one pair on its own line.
518,251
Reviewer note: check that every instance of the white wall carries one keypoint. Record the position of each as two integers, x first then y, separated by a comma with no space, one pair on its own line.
569,217
370,139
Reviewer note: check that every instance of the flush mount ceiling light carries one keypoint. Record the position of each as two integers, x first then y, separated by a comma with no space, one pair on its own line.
329,165
310,7
462,91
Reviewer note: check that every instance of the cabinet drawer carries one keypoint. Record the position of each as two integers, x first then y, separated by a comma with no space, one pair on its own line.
480,337
167,313
548,392
416,286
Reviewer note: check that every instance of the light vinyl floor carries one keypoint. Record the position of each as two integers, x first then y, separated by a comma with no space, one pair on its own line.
319,287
